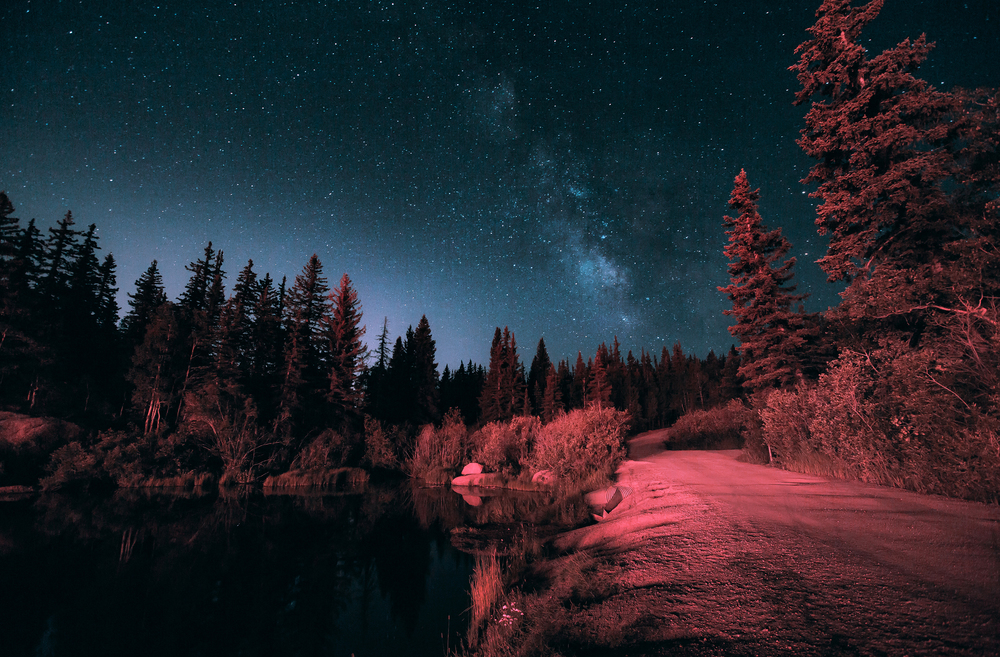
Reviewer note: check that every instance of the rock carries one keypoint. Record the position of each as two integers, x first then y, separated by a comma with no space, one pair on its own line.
472,469
472,500
545,477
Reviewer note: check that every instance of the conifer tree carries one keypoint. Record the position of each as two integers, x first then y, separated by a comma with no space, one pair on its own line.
425,373
552,404
306,361
884,144
771,334
538,374
347,352
149,295
598,388
59,251
503,390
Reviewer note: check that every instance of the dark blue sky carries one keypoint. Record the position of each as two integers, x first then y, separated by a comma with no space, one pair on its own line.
561,168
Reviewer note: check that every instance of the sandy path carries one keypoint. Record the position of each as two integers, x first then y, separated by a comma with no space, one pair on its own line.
713,556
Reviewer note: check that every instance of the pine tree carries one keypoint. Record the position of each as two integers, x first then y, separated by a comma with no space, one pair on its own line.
538,374
503,390
306,362
425,373
347,352
884,141
10,231
598,387
552,404
149,295
59,251
157,371
771,335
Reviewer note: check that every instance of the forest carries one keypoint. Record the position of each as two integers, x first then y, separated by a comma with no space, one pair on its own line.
898,384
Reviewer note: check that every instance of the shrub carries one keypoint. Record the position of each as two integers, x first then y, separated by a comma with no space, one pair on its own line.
70,465
327,450
444,448
379,452
786,417
505,446
582,442
721,427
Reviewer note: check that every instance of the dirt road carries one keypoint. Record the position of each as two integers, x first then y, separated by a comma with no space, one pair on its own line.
713,556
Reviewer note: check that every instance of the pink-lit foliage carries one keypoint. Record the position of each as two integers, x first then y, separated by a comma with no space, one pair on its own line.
379,450
505,446
582,442
891,416
446,447
722,427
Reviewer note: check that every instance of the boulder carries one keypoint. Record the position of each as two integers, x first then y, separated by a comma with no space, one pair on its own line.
472,469
545,477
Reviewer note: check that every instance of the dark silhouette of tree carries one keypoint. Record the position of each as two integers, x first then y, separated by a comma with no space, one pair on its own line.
304,370
537,375
598,387
157,371
503,390
462,390
771,334
552,404
425,375
375,379
400,404
578,389
347,352
266,347
149,295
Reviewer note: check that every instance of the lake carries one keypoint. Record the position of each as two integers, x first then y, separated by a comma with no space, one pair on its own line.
240,573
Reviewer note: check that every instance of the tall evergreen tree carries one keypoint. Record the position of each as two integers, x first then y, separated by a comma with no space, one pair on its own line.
552,404
347,352
771,334
503,390
425,373
149,295
59,252
306,360
884,143
538,375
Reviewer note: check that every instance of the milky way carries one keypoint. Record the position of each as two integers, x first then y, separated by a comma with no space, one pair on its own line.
561,168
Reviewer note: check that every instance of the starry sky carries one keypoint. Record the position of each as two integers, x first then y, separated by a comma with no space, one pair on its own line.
561,168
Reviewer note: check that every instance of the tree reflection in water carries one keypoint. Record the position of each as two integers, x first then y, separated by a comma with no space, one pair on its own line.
231,573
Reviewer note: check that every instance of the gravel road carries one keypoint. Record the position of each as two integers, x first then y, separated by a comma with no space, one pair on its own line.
711,556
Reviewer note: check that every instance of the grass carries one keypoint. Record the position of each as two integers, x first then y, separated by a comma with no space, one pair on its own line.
323,479
487,587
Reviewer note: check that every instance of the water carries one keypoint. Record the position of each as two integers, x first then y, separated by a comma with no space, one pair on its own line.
146,574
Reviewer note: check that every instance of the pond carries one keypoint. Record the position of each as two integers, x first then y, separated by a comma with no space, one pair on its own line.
141,573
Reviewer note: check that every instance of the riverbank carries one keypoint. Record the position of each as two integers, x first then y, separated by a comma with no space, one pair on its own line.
710,556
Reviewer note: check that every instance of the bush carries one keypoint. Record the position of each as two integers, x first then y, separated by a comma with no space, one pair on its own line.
504,446
328,450
71,465
379,452
582,442
721,427
886,417
445,448
786,417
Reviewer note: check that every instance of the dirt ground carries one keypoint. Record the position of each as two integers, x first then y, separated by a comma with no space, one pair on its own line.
710,556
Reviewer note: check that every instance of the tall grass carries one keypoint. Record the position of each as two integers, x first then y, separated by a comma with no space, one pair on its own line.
486,588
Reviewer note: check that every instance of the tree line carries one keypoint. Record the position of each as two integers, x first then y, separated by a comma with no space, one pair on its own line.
270,367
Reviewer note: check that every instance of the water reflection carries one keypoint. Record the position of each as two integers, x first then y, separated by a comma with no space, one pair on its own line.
236,573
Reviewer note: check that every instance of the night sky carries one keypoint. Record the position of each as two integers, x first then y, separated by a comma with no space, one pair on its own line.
561,168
